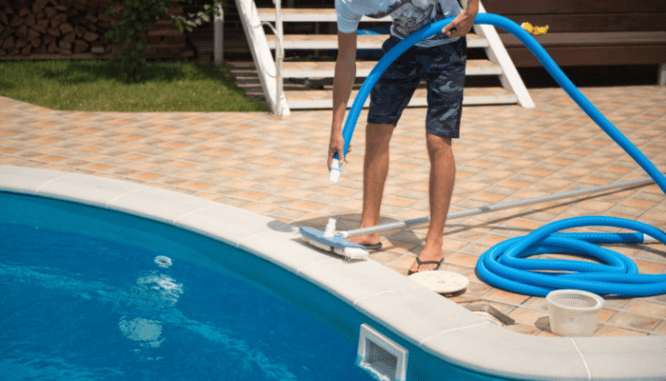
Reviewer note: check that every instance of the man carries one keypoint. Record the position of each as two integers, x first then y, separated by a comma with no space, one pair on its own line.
439,60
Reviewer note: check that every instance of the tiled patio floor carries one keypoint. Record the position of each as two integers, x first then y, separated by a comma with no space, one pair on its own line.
276,167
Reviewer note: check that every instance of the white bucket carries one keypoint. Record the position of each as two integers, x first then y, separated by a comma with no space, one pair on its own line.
573,312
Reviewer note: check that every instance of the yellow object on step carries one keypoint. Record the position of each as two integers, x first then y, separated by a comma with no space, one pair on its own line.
535,30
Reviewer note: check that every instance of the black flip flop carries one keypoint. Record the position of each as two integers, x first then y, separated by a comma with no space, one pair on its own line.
420,262
375,247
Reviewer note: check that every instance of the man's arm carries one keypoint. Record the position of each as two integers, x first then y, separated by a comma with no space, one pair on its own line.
343,81
463,23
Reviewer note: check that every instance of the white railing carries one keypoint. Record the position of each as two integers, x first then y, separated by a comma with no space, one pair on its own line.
261,53
496,52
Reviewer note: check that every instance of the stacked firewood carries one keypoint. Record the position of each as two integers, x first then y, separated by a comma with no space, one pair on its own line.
59,27
74,28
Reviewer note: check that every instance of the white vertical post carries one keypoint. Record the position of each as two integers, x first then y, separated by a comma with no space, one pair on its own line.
661,79
218,35
279,52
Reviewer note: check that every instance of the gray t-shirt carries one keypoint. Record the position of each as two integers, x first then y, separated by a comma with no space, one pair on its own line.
408,16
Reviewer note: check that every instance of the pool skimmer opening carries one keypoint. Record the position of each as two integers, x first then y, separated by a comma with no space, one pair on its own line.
380,356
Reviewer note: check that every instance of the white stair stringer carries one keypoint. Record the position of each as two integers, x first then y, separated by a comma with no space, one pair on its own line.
261,54
496,52
510,90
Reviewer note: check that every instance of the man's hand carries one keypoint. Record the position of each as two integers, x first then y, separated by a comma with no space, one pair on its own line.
337,145
463,23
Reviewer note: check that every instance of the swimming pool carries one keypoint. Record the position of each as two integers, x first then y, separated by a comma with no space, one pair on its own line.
444,340
80,307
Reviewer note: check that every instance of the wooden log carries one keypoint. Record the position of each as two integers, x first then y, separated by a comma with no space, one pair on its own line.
50,12
16,21
92,28
48,39
2,28
24,12
60,8
20,43
79,4
80,30
80,46
8,10
27,50
55,32
40,50
58,19
30,20
73,12
36,42
14,52
66,3
9,43
6,33
38,5
40,15
32,34
38,28
22,32
91,18
3,18
43,23
66,28
69,37
104,4
65,45
53,47
90,36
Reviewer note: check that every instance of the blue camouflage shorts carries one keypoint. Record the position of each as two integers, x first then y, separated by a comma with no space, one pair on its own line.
443,69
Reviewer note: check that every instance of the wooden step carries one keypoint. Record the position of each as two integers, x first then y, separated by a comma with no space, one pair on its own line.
364,41
323,99
326,69
308,15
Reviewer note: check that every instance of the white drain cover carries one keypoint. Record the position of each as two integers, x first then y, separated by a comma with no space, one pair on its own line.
444,282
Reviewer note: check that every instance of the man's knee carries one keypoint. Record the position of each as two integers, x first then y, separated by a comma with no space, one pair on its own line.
378,134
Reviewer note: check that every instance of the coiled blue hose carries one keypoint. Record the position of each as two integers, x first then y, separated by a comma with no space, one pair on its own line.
504,265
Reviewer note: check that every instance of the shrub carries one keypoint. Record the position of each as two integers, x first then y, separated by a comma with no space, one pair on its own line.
134,19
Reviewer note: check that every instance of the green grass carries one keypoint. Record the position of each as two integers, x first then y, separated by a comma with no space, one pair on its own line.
95,85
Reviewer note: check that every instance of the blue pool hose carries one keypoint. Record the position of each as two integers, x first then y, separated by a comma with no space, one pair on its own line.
504,265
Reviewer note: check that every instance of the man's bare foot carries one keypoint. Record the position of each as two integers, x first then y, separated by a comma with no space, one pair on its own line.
429,259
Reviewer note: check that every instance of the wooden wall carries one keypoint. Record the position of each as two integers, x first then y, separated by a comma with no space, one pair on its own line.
584,33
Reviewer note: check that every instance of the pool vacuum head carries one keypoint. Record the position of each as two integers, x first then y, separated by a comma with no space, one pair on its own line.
330,242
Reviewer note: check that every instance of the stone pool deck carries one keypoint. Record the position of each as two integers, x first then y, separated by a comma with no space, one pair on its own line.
276,167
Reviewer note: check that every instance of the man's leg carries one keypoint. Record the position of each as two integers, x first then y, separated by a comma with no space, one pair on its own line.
442,177
375,170
445,77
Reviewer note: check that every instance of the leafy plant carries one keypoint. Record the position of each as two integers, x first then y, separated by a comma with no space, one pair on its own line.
190,21
134,19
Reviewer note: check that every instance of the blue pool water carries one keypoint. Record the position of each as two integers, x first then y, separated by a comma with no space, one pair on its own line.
89,293
76,307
